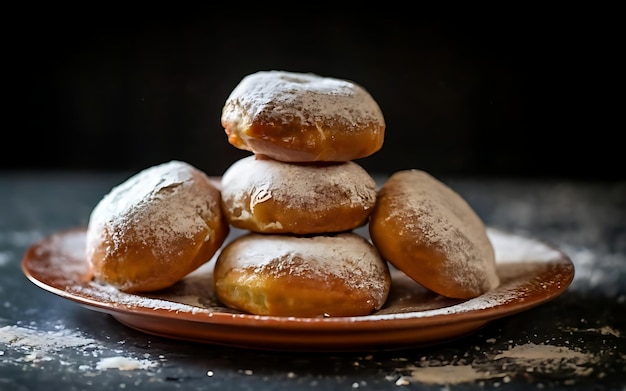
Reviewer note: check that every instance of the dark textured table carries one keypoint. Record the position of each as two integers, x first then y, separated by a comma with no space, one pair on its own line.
576,341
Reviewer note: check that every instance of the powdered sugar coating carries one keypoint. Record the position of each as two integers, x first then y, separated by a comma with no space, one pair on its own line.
304,193
155,212
150,197
327,261
431,221
303,117
280,96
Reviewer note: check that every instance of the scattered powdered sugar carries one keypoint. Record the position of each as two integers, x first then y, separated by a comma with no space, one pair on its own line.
532,352
512,248
4,258
20,238
280,97
32,345
304,190
124,363
519,360
42,342
65,256
604,330
596,271
106,293
15,239
448,374
491,299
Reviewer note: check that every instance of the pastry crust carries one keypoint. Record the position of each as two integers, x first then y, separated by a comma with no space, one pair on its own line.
156,227
314,276
267,196
428,231
303,117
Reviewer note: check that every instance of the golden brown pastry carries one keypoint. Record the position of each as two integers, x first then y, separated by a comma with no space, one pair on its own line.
316,276
428,231
267,196
303,117
156,227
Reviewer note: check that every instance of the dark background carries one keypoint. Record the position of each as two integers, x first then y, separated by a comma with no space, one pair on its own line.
505,93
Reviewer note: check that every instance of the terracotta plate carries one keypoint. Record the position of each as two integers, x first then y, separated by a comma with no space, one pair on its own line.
531,272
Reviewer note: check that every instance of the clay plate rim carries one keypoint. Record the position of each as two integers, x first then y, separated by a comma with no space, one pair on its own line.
550,273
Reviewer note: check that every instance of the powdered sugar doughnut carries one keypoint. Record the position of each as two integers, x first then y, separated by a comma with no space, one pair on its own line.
267,196
283,275
156,227
303,117
427,230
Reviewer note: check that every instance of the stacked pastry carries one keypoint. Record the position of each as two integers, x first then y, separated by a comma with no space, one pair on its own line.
300,195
